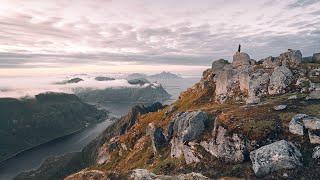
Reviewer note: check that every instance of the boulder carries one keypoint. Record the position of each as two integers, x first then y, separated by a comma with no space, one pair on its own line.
224,80
316,58
139,174
293,97
258,85
291,58
219,65
189,126
280,107
240,59
157,138
276,156
253,100
314,75
228,148
280,79
314,136
316,152
311,122
314,95
270,62
191,176
179,149
296,125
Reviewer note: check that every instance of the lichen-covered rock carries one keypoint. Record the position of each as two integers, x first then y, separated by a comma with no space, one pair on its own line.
219,65
179,149
314,95
258,85
276,156
311,122
158,139
230,149
240,59
296,125
316,152
314,136
224,80
270,62
314,75
139,174
191,176
291,58
189,125
280,107
280,79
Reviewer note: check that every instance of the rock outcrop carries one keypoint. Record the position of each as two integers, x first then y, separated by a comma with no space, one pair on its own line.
296,125
240,59
158,139
276,156
280,79
228,148
187,126
300,122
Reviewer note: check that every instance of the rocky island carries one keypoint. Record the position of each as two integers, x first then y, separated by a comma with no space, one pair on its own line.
246,119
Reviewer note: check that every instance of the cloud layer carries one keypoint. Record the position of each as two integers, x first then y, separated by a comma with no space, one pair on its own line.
57,33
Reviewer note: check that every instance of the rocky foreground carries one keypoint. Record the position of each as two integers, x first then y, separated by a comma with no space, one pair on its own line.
246,119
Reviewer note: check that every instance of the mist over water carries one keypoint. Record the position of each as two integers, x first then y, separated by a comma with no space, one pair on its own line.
17,87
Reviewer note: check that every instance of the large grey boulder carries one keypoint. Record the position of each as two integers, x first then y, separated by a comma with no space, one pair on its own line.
316,58
276,156
258,85
187,126
296,125
228,148
240,59
158,139
280,79
291,58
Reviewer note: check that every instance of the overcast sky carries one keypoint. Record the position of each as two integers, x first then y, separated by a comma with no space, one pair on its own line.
189,34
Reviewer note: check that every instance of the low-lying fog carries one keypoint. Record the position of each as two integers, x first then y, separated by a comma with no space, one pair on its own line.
30,86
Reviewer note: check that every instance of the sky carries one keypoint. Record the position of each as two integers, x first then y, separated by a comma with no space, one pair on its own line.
39,37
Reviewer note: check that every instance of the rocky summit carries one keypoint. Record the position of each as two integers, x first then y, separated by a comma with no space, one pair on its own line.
246,119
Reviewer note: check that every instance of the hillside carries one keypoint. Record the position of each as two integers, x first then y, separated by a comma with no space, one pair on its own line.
142,92
246,119
25,123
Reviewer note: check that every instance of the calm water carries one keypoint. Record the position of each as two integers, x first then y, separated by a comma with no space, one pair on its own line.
33,158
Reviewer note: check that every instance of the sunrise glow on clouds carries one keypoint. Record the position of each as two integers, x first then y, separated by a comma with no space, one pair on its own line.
45,36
